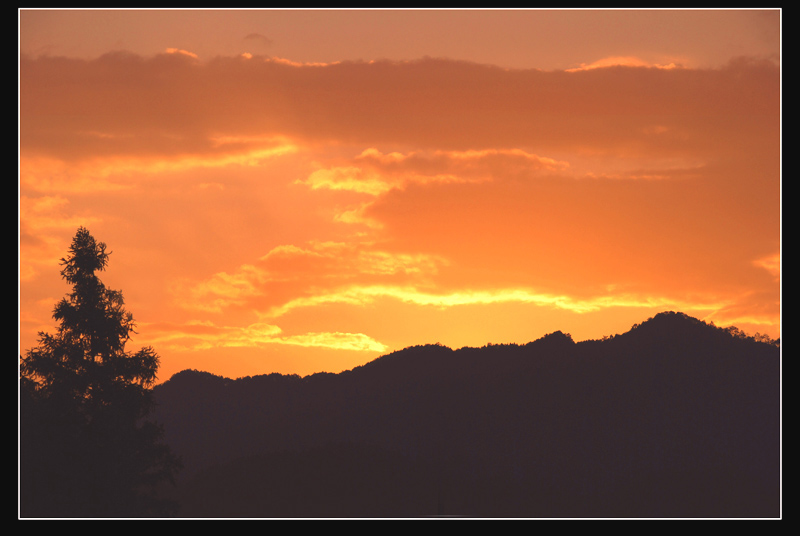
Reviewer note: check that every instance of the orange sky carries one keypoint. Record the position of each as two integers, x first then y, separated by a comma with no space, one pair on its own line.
303,191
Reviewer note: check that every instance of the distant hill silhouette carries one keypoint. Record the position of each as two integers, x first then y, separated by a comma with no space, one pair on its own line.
675,418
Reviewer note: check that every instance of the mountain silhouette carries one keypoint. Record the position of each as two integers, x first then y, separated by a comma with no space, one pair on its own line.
675,418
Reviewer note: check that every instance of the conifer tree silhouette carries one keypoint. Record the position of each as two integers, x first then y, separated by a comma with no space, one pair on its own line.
86,448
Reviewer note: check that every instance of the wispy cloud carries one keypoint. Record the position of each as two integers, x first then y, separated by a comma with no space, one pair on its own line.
753,311
205,335
373,172
110,173
49,212
365,295
181,51
297,269
623,61
44,222
222,289
771,264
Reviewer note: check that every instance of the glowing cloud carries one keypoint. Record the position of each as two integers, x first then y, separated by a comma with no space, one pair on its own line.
373,172
339,341
771,264
356,216
43,219
347,178
181,51
364,295
357,257
222,290
47,212
303,267
753,312
284,61
111,173
205,335
621,61
50,175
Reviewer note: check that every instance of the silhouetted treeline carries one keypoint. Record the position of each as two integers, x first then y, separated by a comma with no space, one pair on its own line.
675,418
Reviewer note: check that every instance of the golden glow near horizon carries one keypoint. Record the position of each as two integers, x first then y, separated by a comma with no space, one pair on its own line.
276,204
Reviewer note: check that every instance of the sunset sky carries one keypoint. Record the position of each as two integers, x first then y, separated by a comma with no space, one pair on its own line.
304,191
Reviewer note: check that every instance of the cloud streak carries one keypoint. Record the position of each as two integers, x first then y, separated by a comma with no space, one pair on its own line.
194,336
373,172
622,61
362,296
289,268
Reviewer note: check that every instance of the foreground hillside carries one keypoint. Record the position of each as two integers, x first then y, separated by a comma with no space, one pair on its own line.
673,418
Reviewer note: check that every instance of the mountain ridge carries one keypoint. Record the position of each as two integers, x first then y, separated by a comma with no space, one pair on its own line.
669,319
556,427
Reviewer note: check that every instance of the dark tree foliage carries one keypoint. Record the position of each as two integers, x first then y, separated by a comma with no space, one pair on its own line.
86,448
